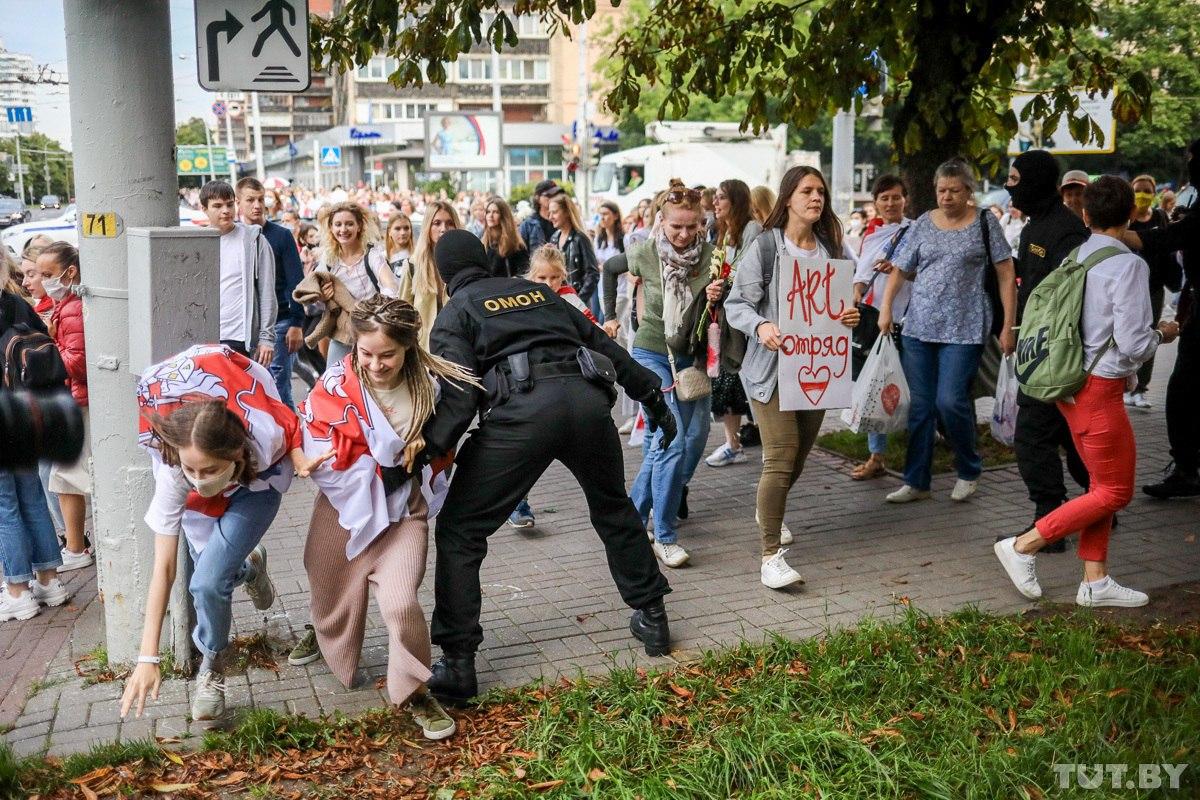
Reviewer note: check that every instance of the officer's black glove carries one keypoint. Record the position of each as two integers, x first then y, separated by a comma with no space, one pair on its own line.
658,414
394,477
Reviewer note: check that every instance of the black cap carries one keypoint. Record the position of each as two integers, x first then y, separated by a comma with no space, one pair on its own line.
457,250
547,189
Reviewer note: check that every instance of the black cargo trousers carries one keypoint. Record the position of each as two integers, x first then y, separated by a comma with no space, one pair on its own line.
562,418
1041,431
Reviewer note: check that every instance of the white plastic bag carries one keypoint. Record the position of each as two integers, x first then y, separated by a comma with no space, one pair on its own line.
880,400
1004,414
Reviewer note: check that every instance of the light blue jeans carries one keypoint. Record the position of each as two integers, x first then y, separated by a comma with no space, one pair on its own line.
27,540
222,565
337,351
877,443
51,498
281,363
659,484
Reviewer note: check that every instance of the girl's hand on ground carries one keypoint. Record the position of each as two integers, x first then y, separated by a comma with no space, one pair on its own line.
145,680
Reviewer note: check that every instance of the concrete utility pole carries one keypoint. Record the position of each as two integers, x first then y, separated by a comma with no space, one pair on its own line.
123,132
843,163
20,168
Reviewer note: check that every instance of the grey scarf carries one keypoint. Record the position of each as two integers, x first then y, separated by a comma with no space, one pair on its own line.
678,268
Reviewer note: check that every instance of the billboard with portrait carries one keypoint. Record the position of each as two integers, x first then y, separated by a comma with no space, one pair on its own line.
457,140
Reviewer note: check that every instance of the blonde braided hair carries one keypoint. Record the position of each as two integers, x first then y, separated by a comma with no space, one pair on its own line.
401,323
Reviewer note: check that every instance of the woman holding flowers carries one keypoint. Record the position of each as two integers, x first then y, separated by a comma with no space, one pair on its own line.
736,229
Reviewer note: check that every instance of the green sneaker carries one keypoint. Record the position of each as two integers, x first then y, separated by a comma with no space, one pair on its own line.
427,712
307,650
261,589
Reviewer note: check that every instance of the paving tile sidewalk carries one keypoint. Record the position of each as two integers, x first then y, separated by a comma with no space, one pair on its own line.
550,607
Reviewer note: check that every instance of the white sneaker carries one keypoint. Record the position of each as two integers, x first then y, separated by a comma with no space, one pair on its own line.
208,702
627,426
1128,397
428,713
23,607
1020,567
1110,594
725,455
1140,401
670,554
49,594
907,494
261,589
776,573
75,560
785,533
963,490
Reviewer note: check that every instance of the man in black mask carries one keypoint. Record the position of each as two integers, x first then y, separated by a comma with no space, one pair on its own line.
1052,233
1183,390
549,376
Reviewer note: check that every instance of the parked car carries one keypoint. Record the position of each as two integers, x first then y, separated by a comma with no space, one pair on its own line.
13,212
51,201
65,228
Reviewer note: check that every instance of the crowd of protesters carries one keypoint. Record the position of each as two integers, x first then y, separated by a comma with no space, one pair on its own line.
352,279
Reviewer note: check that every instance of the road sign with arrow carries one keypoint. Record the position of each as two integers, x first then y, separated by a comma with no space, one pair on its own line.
252,45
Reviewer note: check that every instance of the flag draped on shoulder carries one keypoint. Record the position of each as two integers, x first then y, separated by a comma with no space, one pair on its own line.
342,415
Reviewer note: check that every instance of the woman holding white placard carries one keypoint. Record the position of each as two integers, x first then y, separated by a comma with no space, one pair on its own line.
801,225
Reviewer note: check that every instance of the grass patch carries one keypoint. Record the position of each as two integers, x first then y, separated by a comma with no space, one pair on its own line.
963,707
264,730
854,447
39,685
112,755
23,777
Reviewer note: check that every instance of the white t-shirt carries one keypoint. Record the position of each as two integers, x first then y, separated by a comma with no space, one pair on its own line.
233,290
874,247
397,405
1116,305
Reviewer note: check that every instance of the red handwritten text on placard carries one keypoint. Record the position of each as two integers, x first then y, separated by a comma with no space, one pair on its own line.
812,287
835,348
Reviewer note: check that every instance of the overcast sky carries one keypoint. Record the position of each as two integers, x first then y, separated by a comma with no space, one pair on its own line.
35,27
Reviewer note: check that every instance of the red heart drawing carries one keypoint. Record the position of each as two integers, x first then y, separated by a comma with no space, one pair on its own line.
891,398
814,383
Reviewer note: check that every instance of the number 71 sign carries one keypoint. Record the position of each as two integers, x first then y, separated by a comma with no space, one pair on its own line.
99,224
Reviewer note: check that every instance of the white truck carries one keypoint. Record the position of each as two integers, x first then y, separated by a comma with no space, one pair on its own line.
696,153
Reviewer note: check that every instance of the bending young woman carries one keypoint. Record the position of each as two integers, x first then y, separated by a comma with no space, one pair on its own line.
370,524
801,225
507,255
350,255
223,448
420,285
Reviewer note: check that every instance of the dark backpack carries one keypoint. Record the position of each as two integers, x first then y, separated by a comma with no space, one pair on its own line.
31,360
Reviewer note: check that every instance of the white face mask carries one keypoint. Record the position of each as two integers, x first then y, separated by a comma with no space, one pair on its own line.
856,225
54,288
211,487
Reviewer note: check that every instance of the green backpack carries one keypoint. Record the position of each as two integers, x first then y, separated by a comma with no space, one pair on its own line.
1050,343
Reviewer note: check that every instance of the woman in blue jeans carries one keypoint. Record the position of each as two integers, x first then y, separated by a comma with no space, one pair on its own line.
223,447
949,319
673,265
28,548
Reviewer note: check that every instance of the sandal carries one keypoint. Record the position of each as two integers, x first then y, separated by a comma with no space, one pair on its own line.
868,470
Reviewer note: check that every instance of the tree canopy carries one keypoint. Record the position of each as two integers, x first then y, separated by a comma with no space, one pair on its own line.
41,155
190,132
948,69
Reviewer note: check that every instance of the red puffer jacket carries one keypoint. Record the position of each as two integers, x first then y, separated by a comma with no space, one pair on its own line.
67,324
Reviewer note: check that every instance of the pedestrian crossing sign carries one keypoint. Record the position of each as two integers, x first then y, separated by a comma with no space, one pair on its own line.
252,45
331,156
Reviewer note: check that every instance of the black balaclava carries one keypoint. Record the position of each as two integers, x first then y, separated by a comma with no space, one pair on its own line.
457,254
1037,191
1193,166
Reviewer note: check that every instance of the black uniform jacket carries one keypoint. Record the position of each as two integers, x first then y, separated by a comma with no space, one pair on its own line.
488,319
1045,242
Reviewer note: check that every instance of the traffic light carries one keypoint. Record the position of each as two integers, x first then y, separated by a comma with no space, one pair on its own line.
570,154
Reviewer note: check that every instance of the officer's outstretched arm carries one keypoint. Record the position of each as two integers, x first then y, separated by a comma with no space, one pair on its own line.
452,339
639,382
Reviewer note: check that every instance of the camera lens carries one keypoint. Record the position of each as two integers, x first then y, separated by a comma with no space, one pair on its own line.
42,426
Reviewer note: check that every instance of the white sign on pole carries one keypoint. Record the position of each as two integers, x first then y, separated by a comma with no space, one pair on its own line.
331,156
1031,137
814,357
252,45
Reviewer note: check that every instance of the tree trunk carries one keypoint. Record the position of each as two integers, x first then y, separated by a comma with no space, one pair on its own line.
951,47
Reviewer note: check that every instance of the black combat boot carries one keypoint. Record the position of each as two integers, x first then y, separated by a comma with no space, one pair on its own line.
1179,483
453,680
649,626
683,506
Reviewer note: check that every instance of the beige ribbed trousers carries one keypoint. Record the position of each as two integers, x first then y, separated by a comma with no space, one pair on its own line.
395,565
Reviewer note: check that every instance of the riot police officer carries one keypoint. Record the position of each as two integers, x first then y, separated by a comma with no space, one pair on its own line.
549,376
